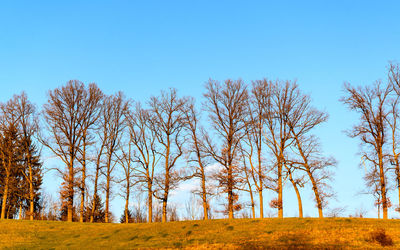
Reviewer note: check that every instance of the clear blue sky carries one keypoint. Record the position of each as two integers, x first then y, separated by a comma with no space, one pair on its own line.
143,47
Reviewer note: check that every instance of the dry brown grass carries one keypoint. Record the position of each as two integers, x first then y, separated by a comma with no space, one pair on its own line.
289,233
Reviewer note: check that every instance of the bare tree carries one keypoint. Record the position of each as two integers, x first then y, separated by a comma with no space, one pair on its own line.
226,105
371,103
197,154
63,114
114,112
254,139
146,157
301,121
168,122
90,116
278,100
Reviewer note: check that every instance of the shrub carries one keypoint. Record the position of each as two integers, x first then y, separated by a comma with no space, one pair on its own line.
380,236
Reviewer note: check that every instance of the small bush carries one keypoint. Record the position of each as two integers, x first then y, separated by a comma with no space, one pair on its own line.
381,237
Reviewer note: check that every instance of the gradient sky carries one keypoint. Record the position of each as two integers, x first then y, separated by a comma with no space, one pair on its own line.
141,47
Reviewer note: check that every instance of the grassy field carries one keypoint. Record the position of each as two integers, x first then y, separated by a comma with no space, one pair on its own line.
215,234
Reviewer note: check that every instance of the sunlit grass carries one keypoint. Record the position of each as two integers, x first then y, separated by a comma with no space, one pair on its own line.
239,233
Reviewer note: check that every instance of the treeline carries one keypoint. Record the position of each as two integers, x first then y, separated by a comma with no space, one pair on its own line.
256,136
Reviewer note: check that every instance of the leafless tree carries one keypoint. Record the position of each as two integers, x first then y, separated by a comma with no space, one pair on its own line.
114,115
90,116
254,139
278,100
301,122
63,114
371,102
226,106
168,122
197,154
143,139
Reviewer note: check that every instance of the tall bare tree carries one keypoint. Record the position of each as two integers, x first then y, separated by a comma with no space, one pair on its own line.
90,116
197,154
168,122
371,103
226,105
63,114
254,139
303,119
114,112
278,100
146,157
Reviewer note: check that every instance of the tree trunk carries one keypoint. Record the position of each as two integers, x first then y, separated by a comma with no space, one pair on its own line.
20,212
297,194
383,184
398,177
166,187
252,205
260,195
127,204
94,199
150,204
31,210
82,208
83,183
107,197
31,191
280,189
230,193
5,196
164,211
204,195
260,185
316,193
70,198
96,179
398,184
313,182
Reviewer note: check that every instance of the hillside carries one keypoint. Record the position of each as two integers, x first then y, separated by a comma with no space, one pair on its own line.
236,234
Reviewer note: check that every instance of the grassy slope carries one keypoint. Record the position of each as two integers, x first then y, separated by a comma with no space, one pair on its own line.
240,233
